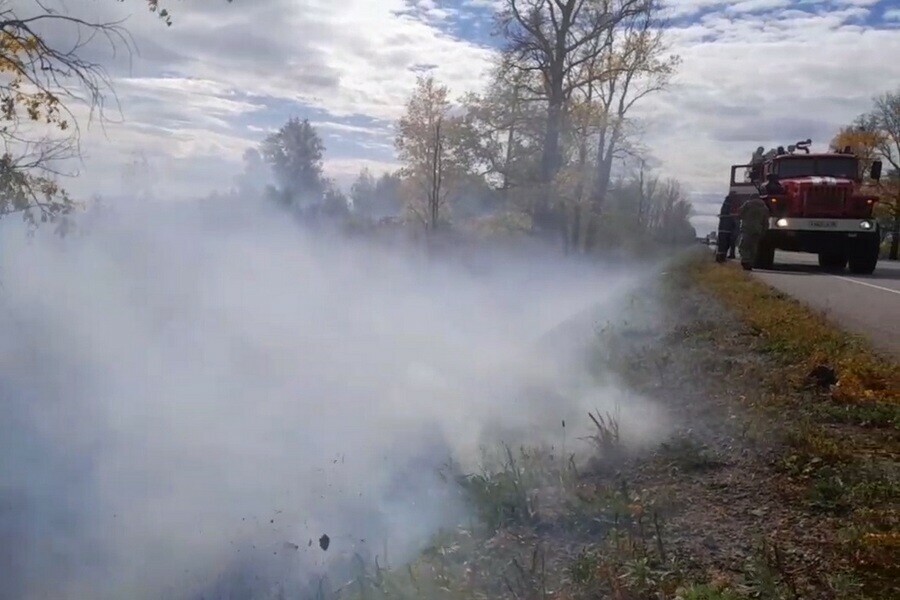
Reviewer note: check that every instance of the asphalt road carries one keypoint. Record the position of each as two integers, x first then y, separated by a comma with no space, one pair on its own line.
865,304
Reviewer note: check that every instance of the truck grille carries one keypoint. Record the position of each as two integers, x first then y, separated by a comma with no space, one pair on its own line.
825,200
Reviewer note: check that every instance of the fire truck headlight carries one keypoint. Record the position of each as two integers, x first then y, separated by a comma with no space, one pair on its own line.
781,222
865,225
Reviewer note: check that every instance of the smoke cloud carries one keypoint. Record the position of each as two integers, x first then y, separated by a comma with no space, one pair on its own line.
192,398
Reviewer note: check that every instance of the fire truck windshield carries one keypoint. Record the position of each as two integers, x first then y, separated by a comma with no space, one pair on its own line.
838,166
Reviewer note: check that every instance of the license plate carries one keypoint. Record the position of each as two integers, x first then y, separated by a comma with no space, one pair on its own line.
823,224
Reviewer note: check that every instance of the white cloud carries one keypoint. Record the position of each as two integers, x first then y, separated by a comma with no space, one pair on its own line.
747,82
351,57
225,74
202,102
345,170
344,128
746,6
684,8
490,4
857,2
220,64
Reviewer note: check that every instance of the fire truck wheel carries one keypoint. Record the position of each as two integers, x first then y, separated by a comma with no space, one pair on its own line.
864,253
833,261
864,260
861,265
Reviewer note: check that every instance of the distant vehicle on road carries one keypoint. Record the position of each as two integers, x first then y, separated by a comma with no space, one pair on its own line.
815,203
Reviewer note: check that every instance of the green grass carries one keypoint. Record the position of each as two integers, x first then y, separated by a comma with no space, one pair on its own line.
707,592
502,495
687,455
866,414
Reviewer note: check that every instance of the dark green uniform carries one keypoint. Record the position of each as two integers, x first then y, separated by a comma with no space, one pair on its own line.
754,222
728,230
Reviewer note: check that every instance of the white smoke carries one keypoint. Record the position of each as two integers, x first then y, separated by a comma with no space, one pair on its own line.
192,397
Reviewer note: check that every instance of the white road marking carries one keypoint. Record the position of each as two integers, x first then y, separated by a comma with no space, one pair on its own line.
871,285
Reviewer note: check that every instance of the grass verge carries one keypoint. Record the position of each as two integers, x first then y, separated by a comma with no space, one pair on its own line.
838,402
769,486
804,339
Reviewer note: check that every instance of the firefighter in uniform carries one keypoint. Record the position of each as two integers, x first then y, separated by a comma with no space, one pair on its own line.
773,186
728,230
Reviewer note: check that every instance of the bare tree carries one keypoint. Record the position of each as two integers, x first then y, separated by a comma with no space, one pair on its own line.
647,190
634,66
555,39
665,208
572,184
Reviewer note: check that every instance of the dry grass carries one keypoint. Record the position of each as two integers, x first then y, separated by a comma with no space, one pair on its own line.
842,447
803,338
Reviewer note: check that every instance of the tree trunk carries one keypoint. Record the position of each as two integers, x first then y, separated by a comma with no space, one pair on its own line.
574,239
550,156
511,139
604,172
543,217
436,168
509,150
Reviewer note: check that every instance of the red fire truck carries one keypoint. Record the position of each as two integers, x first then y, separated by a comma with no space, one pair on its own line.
816,205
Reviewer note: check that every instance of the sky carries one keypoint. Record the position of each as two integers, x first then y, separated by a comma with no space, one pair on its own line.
194,96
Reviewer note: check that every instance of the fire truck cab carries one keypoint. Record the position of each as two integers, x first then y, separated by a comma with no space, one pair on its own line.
816,205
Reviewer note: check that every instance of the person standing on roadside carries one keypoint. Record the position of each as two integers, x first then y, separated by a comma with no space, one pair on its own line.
754,223
728,230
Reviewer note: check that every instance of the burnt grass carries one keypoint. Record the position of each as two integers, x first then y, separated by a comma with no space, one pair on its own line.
767,487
